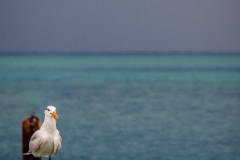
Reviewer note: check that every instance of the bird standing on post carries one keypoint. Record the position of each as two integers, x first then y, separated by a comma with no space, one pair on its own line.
46,141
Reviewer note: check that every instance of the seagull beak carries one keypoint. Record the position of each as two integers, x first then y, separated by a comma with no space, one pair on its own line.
54,114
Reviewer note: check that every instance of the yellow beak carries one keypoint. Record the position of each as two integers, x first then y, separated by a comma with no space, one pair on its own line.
54,114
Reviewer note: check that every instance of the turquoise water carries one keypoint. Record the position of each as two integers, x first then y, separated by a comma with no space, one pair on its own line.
126,107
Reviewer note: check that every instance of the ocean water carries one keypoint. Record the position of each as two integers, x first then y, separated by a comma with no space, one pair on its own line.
126,107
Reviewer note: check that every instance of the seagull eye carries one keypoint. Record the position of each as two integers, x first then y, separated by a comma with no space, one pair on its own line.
47,109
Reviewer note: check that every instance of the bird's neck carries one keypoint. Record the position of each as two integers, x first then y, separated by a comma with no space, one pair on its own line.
49,125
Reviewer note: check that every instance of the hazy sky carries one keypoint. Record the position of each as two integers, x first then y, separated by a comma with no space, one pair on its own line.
120,25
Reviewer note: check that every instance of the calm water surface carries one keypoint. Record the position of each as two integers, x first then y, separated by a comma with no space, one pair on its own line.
142,107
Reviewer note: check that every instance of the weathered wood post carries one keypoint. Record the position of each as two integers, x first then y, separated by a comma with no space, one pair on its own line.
29,126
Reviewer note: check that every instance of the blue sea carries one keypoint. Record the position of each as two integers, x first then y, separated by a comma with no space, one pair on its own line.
125,106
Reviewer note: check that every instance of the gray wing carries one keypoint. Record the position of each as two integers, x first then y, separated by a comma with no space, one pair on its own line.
57,145
36,142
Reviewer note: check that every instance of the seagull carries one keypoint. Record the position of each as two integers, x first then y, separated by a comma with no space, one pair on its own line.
46,142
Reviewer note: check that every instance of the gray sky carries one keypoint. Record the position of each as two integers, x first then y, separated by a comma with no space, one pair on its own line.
120,25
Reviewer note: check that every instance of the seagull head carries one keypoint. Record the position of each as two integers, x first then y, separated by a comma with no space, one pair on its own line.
50,111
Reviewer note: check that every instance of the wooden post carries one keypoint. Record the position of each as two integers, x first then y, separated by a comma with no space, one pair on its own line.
29,126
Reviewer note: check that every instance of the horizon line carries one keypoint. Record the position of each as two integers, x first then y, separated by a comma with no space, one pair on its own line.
35,52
